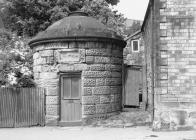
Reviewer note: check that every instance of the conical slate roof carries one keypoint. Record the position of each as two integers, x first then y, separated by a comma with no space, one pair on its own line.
76,26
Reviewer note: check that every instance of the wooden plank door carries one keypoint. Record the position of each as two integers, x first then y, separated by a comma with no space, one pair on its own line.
132,82
71,98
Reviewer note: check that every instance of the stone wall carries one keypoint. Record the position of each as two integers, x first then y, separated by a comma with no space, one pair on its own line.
134,58
147,68
100,65
175,64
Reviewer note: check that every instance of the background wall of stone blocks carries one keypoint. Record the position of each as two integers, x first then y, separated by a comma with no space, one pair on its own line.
174,24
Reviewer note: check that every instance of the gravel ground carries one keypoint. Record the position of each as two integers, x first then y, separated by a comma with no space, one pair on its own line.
126,119
92,133
120,127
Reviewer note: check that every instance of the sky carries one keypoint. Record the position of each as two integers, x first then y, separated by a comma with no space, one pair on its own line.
132,9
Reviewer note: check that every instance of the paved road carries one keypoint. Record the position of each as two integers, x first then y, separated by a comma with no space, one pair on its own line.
91,133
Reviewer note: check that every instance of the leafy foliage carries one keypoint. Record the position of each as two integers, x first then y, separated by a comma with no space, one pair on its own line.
101,11
28,17
136,26
112,2
15,61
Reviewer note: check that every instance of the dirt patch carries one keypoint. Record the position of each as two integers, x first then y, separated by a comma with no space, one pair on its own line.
126,119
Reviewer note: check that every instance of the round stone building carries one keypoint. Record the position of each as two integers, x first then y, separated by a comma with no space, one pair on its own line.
78,60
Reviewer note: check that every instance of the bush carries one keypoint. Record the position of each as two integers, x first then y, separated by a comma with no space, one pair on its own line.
16,61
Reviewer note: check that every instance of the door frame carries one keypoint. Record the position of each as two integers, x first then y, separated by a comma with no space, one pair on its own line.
64,74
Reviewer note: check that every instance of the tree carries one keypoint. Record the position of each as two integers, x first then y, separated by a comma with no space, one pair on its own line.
28,17
15,61
112,2
136,26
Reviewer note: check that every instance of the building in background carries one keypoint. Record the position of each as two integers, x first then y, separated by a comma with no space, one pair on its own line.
132,26
133,71
134,51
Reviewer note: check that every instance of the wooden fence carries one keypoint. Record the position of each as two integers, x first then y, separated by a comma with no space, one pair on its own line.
22,107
